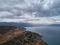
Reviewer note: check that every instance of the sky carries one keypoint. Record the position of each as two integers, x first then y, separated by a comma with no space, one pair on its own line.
30,11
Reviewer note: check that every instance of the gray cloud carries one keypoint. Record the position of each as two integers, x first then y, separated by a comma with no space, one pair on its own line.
41,7
24,9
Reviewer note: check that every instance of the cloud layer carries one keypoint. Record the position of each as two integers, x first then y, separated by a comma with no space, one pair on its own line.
28,11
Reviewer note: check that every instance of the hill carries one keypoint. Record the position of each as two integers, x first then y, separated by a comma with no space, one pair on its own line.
21,37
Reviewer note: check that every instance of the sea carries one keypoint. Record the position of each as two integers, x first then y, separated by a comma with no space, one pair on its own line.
50,34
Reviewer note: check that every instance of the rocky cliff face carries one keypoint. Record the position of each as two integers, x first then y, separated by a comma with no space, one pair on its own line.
21,37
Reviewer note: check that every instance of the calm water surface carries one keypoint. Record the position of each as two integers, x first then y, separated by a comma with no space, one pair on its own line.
51,35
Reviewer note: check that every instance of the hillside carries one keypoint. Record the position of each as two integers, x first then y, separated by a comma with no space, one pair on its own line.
20,37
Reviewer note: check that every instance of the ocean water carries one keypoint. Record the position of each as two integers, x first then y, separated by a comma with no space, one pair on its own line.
50,34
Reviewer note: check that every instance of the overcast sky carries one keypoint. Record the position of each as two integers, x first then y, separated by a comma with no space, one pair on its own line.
30,11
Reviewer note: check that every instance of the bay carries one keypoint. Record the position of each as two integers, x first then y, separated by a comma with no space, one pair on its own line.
50,34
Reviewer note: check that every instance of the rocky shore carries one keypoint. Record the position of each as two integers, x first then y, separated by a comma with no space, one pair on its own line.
16,36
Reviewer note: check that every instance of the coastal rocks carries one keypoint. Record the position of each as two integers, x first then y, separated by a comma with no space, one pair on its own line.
21,37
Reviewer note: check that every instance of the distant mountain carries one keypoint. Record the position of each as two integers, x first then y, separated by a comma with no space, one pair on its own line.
56,25
25,24
16,24
20,24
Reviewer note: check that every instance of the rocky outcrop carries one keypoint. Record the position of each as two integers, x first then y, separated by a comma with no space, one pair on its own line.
21,37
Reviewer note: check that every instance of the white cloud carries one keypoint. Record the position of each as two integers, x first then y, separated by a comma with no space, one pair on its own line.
47,4
33,19
5,13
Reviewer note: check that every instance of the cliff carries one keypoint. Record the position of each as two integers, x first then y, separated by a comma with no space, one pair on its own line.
21,37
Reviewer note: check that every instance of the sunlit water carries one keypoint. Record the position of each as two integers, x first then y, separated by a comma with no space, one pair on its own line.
51,35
